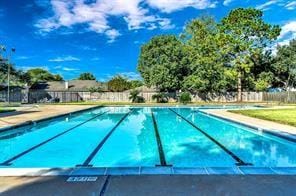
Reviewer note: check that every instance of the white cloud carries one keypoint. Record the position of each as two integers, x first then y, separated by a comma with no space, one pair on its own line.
227,2
63,68
112,34
166,24
266,6
62,59
69,69
95,16
291,5
174,5
23,57
287,34
88,48
289,29
131,75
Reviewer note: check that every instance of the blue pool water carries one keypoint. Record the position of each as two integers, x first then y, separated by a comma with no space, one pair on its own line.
142,136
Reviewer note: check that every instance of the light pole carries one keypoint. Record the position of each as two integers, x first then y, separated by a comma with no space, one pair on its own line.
8,74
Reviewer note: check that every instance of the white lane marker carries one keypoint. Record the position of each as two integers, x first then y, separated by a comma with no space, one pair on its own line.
82,179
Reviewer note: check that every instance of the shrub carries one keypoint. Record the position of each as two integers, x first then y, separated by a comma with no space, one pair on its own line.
134,96
185,98
160,98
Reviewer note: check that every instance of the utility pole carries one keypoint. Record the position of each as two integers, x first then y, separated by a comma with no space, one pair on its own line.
8,74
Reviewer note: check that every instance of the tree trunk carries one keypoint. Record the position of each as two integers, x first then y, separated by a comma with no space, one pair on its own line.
239,87
288,89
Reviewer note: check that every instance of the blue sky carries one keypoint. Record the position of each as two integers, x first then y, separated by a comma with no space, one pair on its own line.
104,36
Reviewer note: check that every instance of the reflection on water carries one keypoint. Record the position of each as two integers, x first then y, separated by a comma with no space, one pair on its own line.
261,150
133,143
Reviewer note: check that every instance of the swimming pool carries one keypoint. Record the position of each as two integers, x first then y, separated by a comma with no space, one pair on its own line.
129,137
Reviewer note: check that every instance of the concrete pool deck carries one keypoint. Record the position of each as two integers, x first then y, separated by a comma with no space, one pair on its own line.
33,112
253,122
150,185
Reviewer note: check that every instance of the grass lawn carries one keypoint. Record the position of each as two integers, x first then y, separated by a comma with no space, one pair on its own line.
2,110
284,116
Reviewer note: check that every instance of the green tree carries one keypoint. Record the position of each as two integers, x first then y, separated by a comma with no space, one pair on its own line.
162,63
17,77
262,74
86,76
118,84
247,34
285,65
42,75
205,58
136,83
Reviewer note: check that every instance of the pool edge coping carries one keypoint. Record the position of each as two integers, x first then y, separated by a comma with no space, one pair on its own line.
159,170
277,133
32,122
140,171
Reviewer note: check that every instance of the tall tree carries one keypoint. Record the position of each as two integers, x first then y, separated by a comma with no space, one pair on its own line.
136,83
285,65
262,73
203,43
162,63
42,75
86,76
16,76
247,34
118,84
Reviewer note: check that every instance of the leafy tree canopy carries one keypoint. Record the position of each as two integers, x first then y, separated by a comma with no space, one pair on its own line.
136,83
213,56
17,77
285,65
42,75
162,63
247,35
86,76
118,84
205,58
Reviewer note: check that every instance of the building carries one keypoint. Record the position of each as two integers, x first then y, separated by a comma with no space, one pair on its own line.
69,86
64,91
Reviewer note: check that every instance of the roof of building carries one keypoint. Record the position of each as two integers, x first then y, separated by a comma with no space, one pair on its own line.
12,87
73,85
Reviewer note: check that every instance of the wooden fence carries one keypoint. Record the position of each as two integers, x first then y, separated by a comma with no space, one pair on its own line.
14,96
124,97
228,97
120,96
284,97
53,96
64,96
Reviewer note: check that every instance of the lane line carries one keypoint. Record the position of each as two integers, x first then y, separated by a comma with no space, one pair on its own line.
40,122
159,143
105,185
239,161
86,163
8,162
